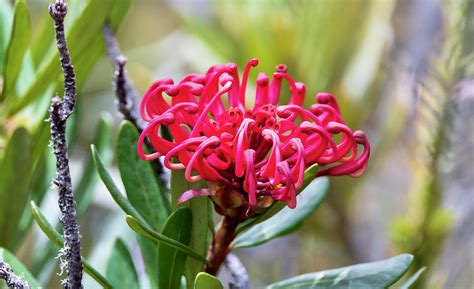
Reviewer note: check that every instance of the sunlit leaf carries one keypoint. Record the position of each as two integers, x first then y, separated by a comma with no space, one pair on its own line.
6,16
286,220
207,281
92,19
379,274
19,40
118,13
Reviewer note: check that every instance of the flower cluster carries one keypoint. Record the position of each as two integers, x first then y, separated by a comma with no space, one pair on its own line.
259,150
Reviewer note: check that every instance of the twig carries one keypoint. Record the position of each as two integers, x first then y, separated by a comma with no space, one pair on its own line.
124,89
59,111
125,93
13,281
237,271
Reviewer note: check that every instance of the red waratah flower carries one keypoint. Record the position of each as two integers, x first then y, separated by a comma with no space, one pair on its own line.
258,150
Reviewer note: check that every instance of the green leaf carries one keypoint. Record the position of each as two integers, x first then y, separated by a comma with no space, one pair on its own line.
58,240
5,28
143,191
139,180
91,19
379,274
171,261
286,220
18,268
413,278
118,13
200,210
114,191
309,175
43,38
19,41
120,268
88,180
199,236
14,181
146,231
149,250
179,185
207,281
45,226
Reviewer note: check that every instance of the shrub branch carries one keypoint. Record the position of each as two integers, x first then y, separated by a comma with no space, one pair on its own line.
125,93
59,111
12,280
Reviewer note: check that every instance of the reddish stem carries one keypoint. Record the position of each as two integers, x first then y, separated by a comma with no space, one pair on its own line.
220,246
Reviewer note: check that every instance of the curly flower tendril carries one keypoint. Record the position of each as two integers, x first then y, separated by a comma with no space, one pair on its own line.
261,150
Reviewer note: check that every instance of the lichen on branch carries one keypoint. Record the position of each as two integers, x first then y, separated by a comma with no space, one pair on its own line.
60,110
12,280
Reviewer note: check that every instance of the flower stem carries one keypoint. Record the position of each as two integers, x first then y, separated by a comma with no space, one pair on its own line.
220,246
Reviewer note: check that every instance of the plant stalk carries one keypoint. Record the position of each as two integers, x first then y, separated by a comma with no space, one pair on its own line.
221,242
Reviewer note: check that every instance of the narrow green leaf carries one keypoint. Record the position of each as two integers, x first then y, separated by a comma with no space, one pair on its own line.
14,182
143,192
6,15
199,236
91,19
171,261
19,40
200,210
379,274
139,180
88,180
96,275
40,182
18,268
43,38
309,175
45,226
118,13
58,240
120,268
146,231
286,220
149,250
114,191
207,281
179,185
413,278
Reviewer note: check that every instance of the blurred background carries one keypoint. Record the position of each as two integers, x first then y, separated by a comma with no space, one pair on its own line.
402,71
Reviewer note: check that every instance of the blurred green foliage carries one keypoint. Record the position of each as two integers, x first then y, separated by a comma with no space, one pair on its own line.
365,52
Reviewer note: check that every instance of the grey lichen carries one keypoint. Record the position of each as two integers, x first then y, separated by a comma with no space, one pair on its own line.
13,281
60,110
